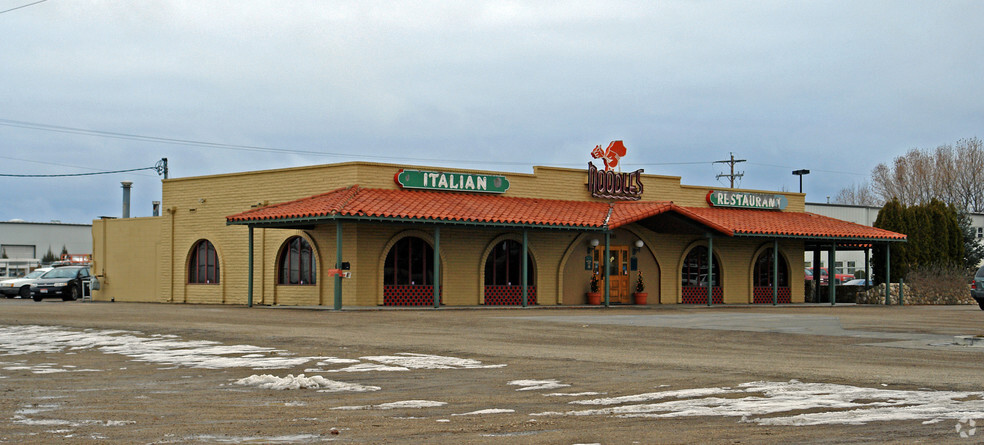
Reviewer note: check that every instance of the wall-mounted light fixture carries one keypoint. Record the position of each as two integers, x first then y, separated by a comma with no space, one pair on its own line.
592,244
637,247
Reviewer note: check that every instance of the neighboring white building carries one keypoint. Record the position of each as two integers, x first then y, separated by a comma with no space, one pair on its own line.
850,261
22,244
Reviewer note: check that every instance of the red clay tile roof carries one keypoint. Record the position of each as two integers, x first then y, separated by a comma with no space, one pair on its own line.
795,224
355,201
441,206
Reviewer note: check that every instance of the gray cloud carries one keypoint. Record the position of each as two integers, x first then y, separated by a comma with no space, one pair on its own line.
836,87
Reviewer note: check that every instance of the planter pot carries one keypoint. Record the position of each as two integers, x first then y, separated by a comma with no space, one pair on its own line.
639,297
594,298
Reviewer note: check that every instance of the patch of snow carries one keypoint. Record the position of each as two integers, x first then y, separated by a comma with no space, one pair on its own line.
159,349
208,438
573,394
679,394
427,361
267,381
324,361
487,411
832,404
36,409
396,405
536,385
366,367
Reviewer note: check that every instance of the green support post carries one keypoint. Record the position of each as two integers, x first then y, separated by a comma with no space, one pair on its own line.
338,264
710,269
608,268
525,268
888,272
775,272
437,267
249,288
867,268
817,274
832,274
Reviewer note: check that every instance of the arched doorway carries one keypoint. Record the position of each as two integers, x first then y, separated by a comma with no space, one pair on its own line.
408,273
762,278
694,276
503,275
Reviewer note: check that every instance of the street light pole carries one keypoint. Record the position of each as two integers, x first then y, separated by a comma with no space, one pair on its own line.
800,173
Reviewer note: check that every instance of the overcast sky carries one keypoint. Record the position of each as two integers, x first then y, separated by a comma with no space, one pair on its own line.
835,87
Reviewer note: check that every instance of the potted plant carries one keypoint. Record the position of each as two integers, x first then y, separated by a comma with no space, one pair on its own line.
640,295
594,297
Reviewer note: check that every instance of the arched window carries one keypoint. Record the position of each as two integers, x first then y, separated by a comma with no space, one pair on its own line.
504,266
503,275
694,276
409,263
296,263
694,271
762,280
763,270
204,265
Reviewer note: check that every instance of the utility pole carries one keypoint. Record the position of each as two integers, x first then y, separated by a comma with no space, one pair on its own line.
731,163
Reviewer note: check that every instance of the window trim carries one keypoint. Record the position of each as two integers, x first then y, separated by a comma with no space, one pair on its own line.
286,253
195,266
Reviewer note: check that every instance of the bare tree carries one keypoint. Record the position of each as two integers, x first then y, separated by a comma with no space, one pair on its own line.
951,174
857,194
970,182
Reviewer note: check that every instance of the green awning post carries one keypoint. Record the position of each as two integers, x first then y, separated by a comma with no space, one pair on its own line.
437,267
608,272
775,272
525,267
249,288
817,273
832,273
338,264
867,268
888,272
710,269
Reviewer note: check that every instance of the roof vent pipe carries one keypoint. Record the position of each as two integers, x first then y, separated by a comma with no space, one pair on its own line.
157,208
126,198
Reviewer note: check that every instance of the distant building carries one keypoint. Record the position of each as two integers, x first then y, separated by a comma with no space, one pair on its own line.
848,262
23,244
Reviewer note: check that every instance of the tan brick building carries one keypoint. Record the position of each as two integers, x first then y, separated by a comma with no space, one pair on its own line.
400,229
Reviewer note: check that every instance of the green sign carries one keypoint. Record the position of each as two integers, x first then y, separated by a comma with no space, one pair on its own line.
451,182
744,200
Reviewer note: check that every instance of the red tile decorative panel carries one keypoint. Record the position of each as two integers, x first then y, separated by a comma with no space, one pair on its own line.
698,295
409,295
763,295
509,295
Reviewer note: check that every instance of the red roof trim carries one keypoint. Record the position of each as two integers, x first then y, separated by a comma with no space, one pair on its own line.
355,201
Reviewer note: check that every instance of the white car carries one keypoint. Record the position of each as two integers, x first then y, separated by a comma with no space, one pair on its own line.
21,286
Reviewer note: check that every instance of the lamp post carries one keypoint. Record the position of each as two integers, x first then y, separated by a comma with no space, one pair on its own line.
800,173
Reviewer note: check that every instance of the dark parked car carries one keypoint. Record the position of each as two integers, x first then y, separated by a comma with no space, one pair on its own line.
977,287
64,282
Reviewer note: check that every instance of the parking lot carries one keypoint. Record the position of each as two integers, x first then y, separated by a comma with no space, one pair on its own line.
75,372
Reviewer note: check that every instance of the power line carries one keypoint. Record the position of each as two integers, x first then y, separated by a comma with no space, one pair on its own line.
160,167
23,6
193,143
